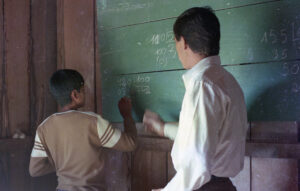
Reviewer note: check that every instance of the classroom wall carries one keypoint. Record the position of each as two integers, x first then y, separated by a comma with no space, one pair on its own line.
36,38
33,35
27,59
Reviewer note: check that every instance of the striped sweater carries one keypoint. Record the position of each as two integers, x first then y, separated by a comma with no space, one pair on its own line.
71,143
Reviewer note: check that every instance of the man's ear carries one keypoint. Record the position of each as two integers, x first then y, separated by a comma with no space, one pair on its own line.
185,45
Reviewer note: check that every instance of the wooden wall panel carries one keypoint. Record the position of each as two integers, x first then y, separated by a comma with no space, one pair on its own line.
149,170
171,169
2,70
43,59
117,171
274,132
43,64
76,43
274,174
243,180
17,30
4,171
17,81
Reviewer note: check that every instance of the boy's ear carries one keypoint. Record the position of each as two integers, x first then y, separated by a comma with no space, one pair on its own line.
74,96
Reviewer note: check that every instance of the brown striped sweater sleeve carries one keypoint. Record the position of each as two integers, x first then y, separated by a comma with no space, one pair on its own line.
111,137
39,162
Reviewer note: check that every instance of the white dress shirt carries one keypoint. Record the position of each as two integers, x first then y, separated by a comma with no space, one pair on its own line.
212,127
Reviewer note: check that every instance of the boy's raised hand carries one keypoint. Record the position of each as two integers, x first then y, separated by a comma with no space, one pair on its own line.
153,123
125,107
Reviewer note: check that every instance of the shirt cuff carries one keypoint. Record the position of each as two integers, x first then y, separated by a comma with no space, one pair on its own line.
170,130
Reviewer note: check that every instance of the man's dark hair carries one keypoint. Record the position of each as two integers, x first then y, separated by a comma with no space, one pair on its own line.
200,28
63,82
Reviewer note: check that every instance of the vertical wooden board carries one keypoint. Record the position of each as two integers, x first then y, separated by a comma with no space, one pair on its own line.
4,171
1,68
44,183
149,170
19,178
43,64
117,174
171,169
17,28
243,180
77,29
60,34
274,174
17,56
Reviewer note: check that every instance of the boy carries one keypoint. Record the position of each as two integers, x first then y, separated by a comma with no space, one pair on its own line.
210,138
71,142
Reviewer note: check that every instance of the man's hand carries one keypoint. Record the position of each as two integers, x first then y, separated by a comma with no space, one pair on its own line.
125,107
153,123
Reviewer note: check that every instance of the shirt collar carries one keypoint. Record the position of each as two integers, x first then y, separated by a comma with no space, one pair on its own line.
199,67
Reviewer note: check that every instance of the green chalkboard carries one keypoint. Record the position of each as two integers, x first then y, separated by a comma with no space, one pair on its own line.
260,46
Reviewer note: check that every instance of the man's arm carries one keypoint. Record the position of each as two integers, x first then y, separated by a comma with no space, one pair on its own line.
155,124
39,163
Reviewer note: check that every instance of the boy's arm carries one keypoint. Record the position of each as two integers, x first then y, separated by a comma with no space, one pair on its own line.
111,137
127,141
39,163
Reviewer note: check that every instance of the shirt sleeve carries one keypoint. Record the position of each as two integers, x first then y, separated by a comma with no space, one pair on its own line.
194,148
170,130
111,137
39,163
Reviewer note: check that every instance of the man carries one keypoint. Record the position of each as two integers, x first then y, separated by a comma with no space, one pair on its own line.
210,137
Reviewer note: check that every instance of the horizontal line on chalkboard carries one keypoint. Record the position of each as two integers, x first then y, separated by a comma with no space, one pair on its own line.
225,65
263,62
265,2
167,18
154,71
151,21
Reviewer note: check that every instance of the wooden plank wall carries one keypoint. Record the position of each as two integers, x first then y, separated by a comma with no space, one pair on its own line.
36,38
27,59
271,163
76,42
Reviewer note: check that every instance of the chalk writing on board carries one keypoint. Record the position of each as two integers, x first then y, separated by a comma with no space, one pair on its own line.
138,84
295,87
123,6
166,47
290,69
284,40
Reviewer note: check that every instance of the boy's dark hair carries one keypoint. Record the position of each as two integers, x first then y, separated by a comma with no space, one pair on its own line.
200,28
63,82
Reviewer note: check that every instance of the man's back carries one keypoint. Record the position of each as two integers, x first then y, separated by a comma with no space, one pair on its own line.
232,131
